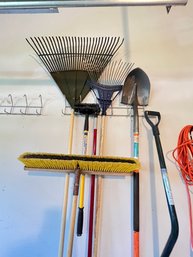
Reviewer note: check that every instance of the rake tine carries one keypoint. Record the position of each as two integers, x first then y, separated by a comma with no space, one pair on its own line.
96,52
46,46
100,57
81,51
67,53
66,47
78,54
126,71
37,52
86,50
54,51
105,52
64,39
112,73
43,52
82,55
115,45
90,49
75,50
56,45
61,53
118,67
70,53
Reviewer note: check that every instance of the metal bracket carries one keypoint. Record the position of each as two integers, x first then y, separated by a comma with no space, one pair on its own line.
20,106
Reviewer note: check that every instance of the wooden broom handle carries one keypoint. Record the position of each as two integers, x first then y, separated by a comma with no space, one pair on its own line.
66,188
73,213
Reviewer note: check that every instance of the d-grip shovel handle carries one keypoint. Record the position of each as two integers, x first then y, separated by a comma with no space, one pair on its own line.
149,115
154,126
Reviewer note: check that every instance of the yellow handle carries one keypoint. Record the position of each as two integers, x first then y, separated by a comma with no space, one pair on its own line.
81,193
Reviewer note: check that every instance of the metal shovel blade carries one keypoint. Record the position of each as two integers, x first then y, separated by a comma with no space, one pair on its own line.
136,87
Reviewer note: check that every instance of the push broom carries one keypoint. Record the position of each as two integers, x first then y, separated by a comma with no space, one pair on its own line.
106,89
79,165
68,60
136,90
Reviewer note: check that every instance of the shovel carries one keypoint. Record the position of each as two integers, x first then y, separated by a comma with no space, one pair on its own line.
136,90
149,115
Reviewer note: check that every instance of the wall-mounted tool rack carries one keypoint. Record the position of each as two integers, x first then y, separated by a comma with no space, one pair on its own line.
22,105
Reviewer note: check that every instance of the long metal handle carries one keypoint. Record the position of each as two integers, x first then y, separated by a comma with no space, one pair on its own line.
135,181
173,216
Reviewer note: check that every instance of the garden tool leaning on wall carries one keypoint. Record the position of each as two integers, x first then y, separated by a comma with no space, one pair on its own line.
136,93
68,60
149,116
79,164
106,88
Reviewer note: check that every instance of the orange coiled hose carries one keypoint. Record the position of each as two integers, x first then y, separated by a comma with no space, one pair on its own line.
183,155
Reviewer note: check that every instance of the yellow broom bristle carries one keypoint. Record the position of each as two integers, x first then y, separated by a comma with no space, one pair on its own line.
85,163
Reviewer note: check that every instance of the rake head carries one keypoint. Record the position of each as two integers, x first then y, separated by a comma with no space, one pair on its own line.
71,60
104,94
109,82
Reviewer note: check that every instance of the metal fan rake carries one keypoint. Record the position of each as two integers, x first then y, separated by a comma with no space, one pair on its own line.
70,60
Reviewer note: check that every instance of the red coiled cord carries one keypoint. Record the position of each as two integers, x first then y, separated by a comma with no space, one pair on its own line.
183,155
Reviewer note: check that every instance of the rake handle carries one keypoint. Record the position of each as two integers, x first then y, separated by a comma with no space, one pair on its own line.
92,198
172,211
66,189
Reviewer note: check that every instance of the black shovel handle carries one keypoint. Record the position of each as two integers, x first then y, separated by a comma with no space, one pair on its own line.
172,211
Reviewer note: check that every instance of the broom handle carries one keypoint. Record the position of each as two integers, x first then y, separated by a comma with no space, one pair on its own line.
99,194
82,181
73,213
66,188
92,194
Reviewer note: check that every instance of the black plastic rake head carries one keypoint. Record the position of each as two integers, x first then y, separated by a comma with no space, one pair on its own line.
104,94
71,60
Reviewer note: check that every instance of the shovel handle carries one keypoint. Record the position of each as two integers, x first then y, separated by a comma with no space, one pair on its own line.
154,125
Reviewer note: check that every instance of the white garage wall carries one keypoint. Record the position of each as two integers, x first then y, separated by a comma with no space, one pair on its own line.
159,43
